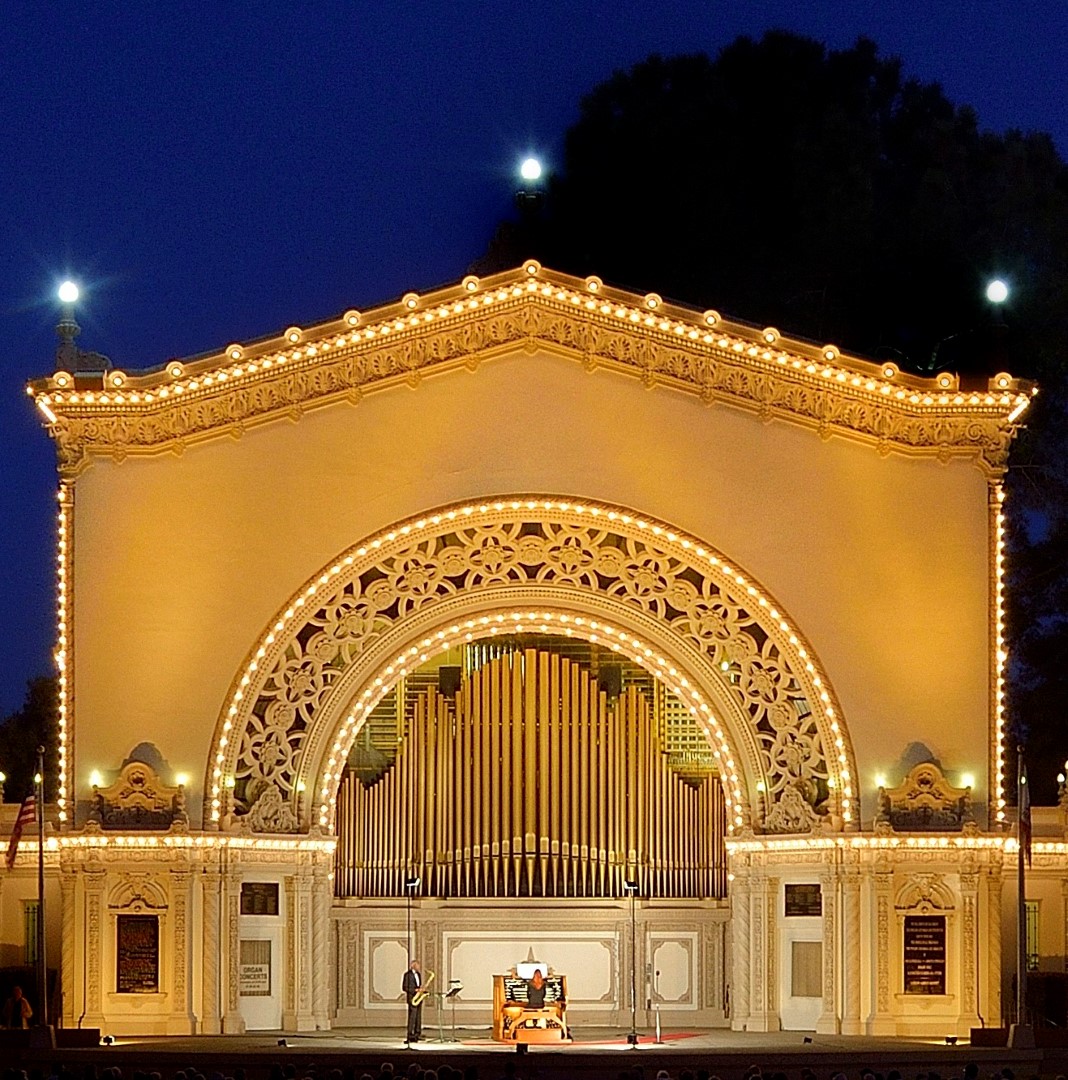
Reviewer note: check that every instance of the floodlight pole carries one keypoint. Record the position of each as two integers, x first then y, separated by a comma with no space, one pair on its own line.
631,886
411,883
42,967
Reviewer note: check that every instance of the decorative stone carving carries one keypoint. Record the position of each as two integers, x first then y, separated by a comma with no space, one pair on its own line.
785,380
792,813
138,800
301,684
925,802
269,814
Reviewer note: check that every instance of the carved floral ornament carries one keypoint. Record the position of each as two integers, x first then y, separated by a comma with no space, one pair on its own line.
115,414
537,565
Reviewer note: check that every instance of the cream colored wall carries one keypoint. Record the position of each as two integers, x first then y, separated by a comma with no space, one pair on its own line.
182,561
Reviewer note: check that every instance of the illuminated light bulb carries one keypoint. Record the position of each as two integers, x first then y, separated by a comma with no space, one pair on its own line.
68,292
95,779
530,169
997,292
967,780
880,780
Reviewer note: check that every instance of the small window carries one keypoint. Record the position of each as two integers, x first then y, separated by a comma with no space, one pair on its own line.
806,969
30,911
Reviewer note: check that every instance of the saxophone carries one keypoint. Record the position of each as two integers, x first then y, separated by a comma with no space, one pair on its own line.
421,994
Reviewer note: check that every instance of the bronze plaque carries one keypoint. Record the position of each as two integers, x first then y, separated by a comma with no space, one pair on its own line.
137,954
259,898
925,954
804,900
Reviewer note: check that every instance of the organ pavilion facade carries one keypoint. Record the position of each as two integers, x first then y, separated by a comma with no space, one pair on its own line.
505,608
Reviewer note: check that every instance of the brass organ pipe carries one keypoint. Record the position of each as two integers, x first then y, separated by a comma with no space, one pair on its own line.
497,778
485,782
596,797
565,782
542,787
574,812
517,769
602,789
466,778
506,773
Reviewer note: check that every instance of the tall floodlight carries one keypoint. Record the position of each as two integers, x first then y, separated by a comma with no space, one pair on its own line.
631,887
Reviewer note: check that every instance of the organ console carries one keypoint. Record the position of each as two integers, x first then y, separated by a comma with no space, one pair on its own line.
516,1020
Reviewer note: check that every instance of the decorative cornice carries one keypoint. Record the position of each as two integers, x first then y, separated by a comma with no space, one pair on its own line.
114,414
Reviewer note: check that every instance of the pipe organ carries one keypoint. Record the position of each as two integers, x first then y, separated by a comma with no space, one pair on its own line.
530,781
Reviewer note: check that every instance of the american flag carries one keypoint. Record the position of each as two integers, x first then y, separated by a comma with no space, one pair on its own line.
27,816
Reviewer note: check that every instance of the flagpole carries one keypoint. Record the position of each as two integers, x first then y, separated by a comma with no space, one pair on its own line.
1021,1035
42,967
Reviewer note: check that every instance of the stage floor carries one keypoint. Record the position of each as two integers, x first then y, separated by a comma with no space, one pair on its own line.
595,1052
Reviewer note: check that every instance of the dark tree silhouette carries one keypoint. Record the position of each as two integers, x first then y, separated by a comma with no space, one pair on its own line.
827,194
35,724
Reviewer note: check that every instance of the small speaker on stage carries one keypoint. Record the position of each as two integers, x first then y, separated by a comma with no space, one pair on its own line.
448,680
610,679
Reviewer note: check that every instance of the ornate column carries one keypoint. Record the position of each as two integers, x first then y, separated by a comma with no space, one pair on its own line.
881,1020
851,954
297,1014
211,884
827,1024
233,1022
94,878
741,949
763,995
991,1006
969,947
321,897
68,983
182,1019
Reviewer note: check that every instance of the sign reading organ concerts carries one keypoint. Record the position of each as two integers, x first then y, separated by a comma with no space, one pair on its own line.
925,954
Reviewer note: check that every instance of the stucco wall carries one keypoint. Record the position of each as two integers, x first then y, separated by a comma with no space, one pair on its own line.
181,562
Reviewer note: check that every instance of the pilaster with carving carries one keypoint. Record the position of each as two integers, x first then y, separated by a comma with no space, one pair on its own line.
881,1021
211,884
68,895
302,961
182,1015
827,1023
233,1021
991,1006
320,901
289,951
969,945
94,878
852,958
298,1013
763,1014
741,951
771,952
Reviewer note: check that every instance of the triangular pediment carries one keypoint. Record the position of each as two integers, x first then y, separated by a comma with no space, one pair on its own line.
116,413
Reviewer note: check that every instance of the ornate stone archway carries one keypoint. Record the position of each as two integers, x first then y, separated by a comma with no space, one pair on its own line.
555,564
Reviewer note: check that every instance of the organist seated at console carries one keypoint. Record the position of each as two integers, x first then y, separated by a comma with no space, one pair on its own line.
529,1005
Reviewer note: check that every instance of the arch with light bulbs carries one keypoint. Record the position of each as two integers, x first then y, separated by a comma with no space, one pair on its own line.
551,565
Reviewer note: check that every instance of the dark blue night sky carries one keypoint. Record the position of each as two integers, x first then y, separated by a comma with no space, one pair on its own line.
213,172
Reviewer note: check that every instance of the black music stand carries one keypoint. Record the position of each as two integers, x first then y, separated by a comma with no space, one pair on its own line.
451,995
